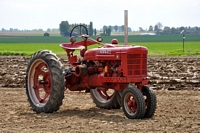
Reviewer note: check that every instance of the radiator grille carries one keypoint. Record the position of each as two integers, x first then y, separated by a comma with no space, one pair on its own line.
137,64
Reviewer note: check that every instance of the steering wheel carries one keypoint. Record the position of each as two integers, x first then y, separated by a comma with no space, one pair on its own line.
81,30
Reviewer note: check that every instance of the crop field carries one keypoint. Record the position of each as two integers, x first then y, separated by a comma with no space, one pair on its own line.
28,48
106,39
155,48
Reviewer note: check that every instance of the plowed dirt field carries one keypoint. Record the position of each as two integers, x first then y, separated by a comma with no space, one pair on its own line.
175,81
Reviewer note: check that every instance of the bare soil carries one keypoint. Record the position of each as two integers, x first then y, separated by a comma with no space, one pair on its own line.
175,81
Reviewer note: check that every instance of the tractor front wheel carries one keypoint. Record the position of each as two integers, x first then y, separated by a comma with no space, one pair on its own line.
44,82
150,101
106,98
133,103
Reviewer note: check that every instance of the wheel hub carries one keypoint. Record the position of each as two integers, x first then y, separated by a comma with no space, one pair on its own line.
42,83
132,105
104,93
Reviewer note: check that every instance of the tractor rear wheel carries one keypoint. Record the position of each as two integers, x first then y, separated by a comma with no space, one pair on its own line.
150,101
106,98
133,103
44,82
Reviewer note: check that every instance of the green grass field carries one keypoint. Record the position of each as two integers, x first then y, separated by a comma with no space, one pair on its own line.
28,48
172,48
155,48
159,45
106,39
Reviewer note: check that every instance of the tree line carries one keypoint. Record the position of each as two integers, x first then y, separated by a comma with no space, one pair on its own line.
171,30
28,30
65,28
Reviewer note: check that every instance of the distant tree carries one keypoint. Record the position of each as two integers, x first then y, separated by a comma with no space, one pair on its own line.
156,28
40,30
140,29
54,30
129,29
181,28
11,29
84,30
122,28
166,30
34,30
3,29
91,29
95,32
37,30
116,28
48,29
173,30
159,25
46,34
104,30
71,27
108,31
110,27
64,27
197,28
104,27
150,28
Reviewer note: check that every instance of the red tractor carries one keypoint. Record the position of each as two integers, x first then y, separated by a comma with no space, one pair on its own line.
115,76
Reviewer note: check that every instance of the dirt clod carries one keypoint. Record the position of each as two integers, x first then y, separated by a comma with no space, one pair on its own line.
178,110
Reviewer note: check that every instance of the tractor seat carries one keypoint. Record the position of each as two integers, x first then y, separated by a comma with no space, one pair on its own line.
109,45
71,46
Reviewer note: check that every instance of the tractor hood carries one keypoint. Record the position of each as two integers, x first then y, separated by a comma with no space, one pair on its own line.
113,52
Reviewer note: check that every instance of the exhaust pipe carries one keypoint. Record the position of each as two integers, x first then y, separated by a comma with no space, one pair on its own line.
81,70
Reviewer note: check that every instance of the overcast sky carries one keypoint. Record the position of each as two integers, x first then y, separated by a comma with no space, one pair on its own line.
35,14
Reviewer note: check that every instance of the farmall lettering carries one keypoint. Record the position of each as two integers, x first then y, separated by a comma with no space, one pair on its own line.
115,76
105,51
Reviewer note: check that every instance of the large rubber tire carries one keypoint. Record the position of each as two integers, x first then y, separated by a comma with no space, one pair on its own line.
105,99
133,103
44,82
150,101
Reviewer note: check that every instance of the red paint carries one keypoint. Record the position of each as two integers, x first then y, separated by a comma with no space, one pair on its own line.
107,66
42,82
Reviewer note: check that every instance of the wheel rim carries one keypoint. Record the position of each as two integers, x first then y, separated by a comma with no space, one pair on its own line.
145,99
103,94
130,104
39,83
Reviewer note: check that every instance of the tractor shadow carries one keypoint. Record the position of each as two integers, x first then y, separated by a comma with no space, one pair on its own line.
94,113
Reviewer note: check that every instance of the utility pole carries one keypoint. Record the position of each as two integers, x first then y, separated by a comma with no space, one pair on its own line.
126,27
182,32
